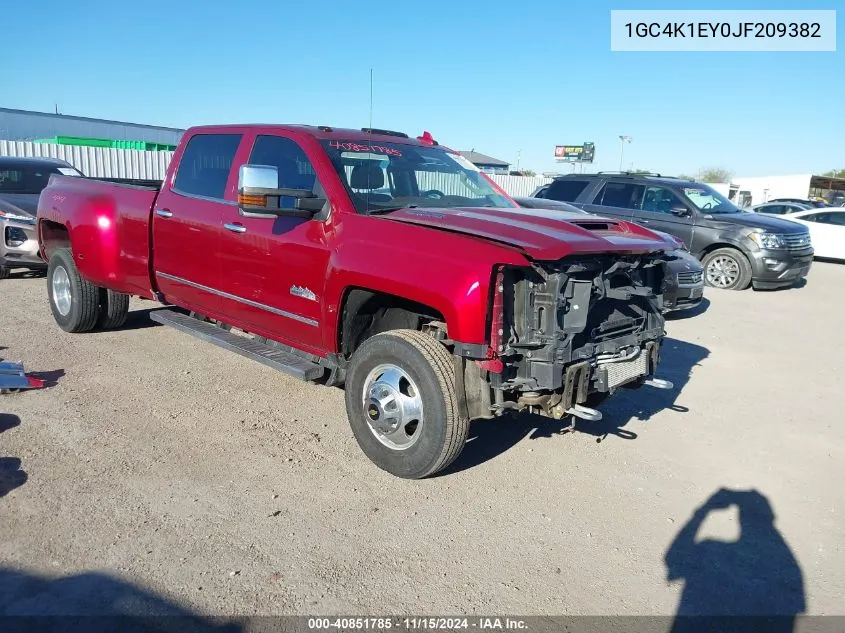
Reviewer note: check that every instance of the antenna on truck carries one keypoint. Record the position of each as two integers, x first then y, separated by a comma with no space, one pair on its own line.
371,98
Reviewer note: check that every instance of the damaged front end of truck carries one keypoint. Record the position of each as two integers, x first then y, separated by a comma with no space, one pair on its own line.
565,335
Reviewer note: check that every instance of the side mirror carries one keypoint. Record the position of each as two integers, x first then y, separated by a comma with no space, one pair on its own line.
681,212
259,195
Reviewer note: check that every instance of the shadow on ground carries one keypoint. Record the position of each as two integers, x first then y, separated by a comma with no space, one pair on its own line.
11,475
490,438
8,421
801,283
28,274
680,315
136,320
756,577
100,602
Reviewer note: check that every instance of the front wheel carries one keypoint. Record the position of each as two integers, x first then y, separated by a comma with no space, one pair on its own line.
727,268
402,404
75,302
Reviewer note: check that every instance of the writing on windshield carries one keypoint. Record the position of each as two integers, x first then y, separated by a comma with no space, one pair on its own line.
349,146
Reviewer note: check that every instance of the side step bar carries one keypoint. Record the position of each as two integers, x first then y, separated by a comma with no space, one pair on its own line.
280,360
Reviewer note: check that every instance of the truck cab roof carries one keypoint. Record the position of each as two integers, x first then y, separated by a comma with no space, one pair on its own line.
320,132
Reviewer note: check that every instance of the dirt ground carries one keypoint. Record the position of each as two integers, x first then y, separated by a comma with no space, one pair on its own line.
157,466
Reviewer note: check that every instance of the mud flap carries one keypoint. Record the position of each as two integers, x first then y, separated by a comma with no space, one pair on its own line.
576,384
460,386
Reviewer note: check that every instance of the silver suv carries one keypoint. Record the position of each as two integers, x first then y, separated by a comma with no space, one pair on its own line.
21,182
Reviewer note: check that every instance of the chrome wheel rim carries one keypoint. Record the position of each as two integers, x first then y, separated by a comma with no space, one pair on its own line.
722,271
393,407
61,290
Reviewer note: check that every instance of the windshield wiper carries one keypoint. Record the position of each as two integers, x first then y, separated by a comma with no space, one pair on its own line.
381,210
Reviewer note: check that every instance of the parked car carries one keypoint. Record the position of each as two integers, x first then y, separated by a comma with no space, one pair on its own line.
808,203
780,208
827,230
683,276
737,248
21,182
430,310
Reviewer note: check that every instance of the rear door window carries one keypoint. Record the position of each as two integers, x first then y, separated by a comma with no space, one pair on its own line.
623,195
205,165
565,190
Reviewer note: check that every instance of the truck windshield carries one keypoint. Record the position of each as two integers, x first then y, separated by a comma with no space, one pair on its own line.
708,200
384,176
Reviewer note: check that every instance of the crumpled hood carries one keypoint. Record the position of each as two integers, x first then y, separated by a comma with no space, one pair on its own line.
542,234
19,203
758,221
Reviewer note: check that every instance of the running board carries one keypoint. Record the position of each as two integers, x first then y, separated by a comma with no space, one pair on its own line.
280,360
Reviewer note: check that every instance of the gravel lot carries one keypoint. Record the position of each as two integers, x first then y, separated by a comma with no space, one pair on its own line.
214,483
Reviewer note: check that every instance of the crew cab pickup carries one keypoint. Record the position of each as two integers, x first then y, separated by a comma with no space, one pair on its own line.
367,259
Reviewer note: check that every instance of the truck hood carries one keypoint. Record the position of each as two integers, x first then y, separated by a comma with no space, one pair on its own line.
24,204
756,221
542,234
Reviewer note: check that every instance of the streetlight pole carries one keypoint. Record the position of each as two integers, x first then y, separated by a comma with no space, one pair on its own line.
623,139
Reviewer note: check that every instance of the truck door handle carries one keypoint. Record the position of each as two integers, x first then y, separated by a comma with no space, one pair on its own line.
164,213
235,228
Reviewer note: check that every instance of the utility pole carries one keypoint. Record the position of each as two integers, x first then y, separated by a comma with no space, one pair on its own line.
623,139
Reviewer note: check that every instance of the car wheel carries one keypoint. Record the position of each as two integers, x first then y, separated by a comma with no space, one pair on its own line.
114,307
727,268
4,272
402,404
74,302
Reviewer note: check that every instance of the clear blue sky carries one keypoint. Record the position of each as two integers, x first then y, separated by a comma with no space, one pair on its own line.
501,77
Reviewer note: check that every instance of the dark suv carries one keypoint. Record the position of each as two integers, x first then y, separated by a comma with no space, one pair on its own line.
736,247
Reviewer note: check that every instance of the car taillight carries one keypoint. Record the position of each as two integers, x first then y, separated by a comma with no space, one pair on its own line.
497,322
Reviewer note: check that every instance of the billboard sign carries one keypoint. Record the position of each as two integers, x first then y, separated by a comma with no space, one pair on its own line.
584,153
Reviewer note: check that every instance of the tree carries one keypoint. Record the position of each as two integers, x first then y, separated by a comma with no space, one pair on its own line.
715,174
686,177
835,173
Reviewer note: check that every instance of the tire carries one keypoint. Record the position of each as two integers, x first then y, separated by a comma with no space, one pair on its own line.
114,306
727,269
408,450
5,272
82,309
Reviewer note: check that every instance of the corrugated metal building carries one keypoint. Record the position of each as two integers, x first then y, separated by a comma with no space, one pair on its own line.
24,125
97,162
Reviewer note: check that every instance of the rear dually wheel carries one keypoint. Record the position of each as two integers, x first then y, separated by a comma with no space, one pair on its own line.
74,302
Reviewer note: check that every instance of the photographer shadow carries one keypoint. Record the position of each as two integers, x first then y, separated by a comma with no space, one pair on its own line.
751,584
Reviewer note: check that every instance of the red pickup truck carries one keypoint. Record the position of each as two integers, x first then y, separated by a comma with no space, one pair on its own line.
386,264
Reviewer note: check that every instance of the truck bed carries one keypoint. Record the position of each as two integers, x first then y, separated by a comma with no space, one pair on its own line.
143,183
109,227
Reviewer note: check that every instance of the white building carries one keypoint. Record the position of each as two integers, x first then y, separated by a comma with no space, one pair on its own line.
748,191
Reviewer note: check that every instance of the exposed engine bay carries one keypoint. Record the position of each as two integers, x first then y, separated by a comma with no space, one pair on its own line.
571,332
